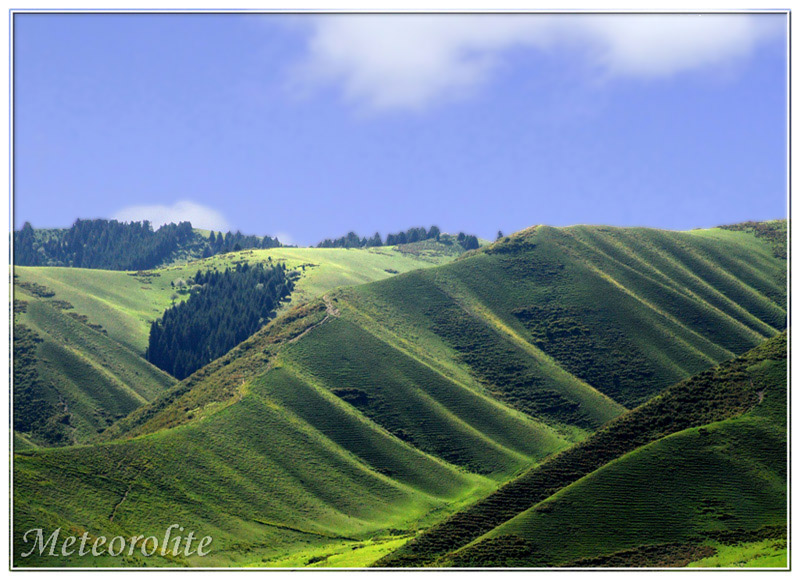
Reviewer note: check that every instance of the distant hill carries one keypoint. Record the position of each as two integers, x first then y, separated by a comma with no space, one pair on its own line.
125,303
112,245
355,420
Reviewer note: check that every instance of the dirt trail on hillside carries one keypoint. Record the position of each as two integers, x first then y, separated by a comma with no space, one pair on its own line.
329,307
330,310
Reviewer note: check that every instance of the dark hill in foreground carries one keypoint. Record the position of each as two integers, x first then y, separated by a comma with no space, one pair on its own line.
705,461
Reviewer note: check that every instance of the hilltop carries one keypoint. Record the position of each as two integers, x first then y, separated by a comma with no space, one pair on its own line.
359,418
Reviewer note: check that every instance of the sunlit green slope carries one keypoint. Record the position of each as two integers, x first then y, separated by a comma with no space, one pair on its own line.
253,471
125,303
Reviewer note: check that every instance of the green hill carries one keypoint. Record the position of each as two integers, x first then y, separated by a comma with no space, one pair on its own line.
71,380
362,417
255,474
91,326
697,469
125,303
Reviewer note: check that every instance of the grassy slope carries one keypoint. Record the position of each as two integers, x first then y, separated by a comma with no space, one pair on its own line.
254,476
103,378
443,373
125,304
731,476
708,457
772,553
598,314
93,378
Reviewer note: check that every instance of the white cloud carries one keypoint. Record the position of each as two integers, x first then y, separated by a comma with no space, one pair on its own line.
410,61
201,216
285,238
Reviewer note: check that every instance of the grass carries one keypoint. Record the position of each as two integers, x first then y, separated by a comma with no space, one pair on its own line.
103,378
772,553
673,490
125,303
662,331
89,379
419,406
402,405
212,476
346,554
707,456
774,232
122,303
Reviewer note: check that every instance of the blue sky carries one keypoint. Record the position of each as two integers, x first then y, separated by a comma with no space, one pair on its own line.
310,126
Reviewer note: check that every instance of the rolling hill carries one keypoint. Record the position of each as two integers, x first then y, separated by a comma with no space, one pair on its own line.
71,380
696,469
125,303
357,419
91,326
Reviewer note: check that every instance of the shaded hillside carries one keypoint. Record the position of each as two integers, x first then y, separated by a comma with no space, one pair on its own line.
388,405
552,319
679,470
71,381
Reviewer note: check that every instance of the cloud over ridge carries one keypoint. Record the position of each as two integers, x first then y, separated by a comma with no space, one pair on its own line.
382,62
201,216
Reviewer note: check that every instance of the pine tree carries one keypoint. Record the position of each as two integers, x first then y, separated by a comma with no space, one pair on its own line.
222,310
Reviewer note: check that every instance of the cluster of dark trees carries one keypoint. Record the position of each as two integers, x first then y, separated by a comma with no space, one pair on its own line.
352,240
411,235
106,244
235,241
223,309
113,245
467,241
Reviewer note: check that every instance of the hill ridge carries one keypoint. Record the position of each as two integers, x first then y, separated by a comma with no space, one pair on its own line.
625,435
